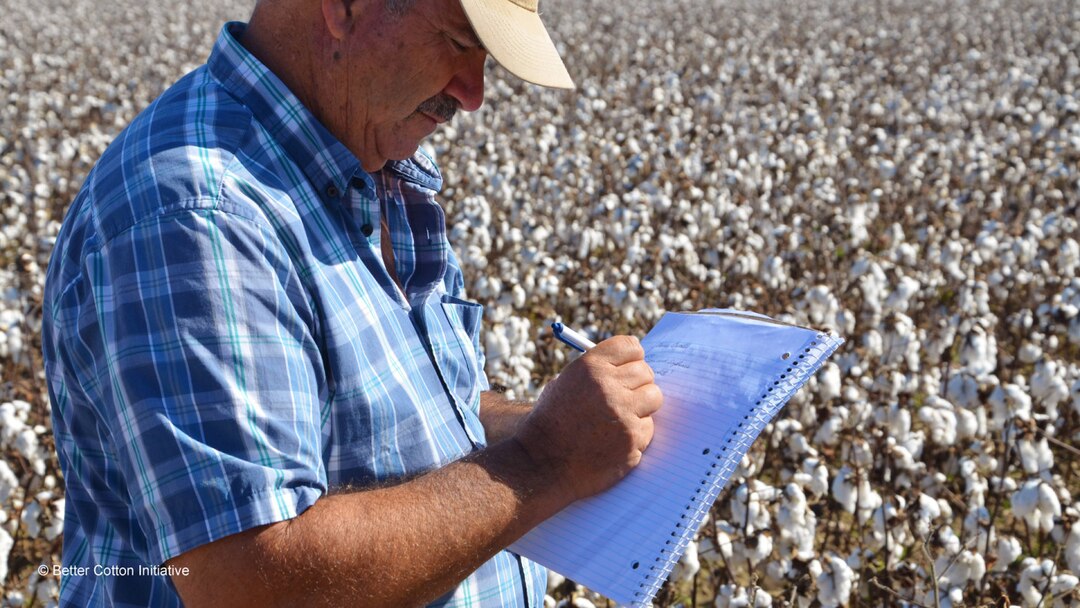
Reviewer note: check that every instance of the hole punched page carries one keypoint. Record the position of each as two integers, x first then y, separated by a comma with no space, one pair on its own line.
723,379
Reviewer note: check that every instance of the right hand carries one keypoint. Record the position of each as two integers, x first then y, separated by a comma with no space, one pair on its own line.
594,420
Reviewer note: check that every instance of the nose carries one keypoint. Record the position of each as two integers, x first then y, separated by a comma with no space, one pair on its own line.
467,85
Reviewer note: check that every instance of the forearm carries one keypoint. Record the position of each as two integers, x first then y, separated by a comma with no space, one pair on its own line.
395,546
501,416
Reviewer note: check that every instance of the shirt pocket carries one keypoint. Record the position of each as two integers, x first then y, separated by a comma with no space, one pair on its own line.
461,360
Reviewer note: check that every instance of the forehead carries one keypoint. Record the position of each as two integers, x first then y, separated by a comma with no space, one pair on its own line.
447,13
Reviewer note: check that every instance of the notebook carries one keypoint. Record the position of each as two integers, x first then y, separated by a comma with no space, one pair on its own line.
724,375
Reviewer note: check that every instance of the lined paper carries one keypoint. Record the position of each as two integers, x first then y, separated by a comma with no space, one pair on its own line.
724,375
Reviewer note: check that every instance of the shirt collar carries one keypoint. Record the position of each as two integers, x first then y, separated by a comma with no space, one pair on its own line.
326,162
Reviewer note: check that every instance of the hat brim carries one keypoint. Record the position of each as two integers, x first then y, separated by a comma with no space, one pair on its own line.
518,40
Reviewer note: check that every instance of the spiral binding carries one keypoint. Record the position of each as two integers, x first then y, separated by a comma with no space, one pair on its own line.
772,400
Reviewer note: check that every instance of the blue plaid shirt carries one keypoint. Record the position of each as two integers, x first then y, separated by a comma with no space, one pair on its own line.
224,345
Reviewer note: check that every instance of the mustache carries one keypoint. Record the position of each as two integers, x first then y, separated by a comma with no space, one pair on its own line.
441,106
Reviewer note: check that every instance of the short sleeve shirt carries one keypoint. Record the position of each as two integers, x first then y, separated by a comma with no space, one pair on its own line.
224,344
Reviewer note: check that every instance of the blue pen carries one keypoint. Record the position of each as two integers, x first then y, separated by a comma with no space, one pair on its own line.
571,337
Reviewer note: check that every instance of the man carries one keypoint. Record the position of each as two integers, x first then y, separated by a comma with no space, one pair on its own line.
266,386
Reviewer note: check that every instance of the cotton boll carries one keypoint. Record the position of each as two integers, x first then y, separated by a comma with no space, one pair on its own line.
749,505
835,583
829,382
1062,584
554,581
814,477
29,519
1038,504
798,524
844,489
899,299
6,543
967,567
1072,548
1033,579
1006,551
927,511
688,565
1035,456
734,596
939,418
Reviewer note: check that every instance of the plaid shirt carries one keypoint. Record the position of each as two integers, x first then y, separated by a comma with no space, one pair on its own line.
224,345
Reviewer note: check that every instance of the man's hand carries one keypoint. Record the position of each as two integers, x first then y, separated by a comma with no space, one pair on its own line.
407,544
592,423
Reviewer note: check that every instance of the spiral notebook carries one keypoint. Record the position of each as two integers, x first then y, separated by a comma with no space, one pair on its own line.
724,374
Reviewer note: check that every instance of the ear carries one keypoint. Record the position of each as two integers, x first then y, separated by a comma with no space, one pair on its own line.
338,16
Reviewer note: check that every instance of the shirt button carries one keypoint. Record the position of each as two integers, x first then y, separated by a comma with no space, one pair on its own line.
367,229
332,191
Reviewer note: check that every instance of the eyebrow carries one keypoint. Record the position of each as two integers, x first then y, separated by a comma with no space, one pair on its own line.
467,32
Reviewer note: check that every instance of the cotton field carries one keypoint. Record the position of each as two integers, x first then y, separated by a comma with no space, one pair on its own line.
906,174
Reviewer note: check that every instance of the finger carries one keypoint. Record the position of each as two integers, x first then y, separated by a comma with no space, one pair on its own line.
647,430
647,400
619,350
635,374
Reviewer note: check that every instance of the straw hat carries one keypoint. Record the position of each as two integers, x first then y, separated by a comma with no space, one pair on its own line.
513,34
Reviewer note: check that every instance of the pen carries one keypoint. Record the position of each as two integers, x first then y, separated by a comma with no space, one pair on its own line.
571,337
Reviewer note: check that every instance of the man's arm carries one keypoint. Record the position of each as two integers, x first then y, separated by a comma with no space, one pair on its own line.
407,544
501,416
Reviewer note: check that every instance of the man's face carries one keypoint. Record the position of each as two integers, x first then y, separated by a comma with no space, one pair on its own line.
428,64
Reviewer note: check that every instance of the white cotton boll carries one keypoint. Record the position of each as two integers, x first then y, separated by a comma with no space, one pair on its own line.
967,423
899,299
1006,551
835,582
718,549
861,453
549,602
688,565
1033,578
749,508
814,477
963,390
798,524
8,482
829,382
1035,456
1062,584
6,543
554,581
1076,394
578,602
1038,504
1009,401
927,511
978,353
1048,388
950,542
939,418
966,567
844,489
1029,353
829,432
1072,548
734,596
29,519
758,548
56,526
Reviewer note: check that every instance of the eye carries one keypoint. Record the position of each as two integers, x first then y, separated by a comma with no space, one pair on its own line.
461,48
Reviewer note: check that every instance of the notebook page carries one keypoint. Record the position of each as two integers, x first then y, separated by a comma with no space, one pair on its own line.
713,370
